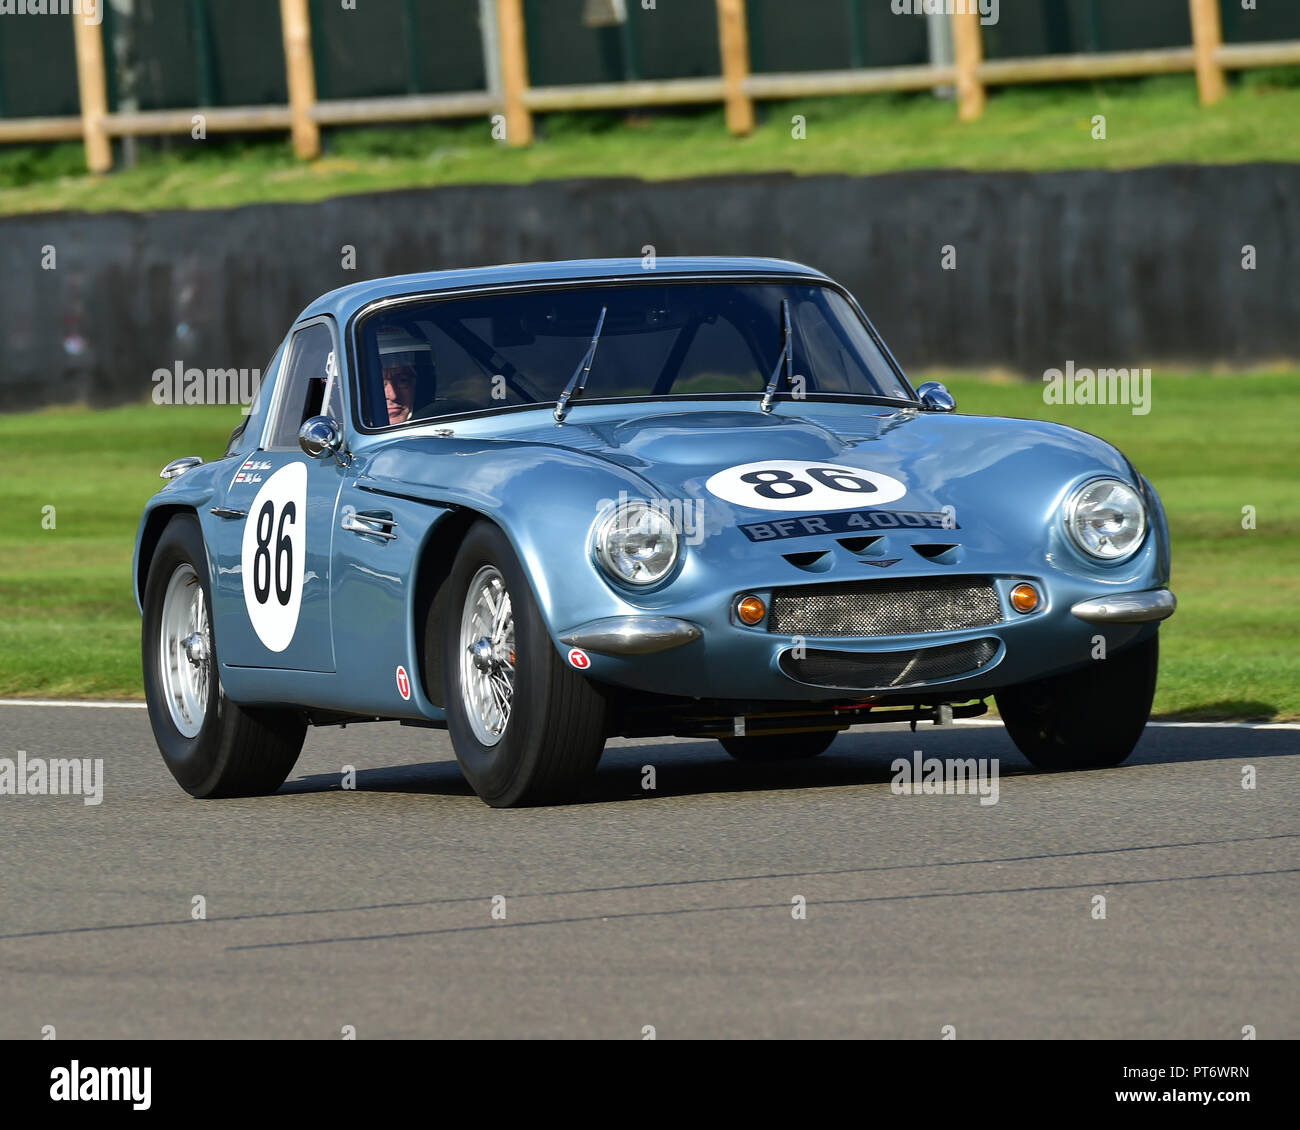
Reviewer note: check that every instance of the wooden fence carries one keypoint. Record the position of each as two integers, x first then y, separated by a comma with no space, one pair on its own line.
517,100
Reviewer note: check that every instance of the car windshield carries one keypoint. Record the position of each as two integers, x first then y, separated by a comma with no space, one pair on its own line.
444,357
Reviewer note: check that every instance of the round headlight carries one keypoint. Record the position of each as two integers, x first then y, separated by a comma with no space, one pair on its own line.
637,544
1106,519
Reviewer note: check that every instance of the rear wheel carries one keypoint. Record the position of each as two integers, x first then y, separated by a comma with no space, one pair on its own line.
527,728
1086,719
211,746
779,747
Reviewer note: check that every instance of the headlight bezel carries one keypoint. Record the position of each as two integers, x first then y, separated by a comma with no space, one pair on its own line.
1070,516
605,524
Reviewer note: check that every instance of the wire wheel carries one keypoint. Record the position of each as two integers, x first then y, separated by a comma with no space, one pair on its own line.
185,651
487,655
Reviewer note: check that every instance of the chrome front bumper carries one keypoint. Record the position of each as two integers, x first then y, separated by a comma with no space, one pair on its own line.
632,635
646,635
1127,608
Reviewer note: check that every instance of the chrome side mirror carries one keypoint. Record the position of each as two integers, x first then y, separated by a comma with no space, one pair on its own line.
935,398
177,467
321,436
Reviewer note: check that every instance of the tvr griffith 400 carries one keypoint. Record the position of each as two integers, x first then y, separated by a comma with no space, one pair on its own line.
541,505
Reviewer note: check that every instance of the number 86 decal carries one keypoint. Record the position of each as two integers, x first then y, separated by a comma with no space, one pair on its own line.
262,556
271,556
792,484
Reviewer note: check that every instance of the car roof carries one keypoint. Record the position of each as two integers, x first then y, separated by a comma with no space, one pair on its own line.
342,303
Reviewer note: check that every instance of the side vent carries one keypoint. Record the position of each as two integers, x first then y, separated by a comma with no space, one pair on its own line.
875,545
814,561
940,553
861,544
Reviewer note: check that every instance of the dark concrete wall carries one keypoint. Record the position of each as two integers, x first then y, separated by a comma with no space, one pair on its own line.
1105,268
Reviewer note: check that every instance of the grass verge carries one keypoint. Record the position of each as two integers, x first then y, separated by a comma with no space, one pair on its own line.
1148,122
1211,444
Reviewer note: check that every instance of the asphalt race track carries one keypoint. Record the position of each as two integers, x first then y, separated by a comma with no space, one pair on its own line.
671,908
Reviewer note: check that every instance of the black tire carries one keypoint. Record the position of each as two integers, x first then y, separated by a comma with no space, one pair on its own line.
236,751
555,733
1086,719
764,748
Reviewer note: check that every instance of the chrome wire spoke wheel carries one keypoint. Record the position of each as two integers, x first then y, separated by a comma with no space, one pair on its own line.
210,744
185,651
487,655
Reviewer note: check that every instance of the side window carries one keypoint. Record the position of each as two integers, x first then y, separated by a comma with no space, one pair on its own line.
306,378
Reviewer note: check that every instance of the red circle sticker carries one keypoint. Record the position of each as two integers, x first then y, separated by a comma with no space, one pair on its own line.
403,683
579,659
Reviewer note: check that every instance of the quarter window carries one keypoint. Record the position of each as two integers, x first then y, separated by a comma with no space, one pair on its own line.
306,382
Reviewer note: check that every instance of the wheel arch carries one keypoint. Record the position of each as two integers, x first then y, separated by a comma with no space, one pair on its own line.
151,531
431,570
544,503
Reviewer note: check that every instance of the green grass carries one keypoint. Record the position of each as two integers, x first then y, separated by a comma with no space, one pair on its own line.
1211,444
68,621
1154,121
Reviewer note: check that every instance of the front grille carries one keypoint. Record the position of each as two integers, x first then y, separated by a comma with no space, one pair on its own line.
885,608
846,670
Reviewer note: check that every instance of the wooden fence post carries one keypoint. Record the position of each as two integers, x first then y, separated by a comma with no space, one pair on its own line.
301,73
93,87
1207,38
513,47
968,48
733,42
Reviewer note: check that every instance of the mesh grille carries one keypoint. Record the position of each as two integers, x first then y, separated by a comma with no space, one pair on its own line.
889,608
846,670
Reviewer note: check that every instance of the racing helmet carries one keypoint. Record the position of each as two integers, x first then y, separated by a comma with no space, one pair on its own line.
399,347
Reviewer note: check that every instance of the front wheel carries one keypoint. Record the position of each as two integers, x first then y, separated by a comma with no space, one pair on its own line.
212,746
1086,719
526,728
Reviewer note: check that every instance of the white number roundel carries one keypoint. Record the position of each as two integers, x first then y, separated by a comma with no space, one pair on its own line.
273,555
794,484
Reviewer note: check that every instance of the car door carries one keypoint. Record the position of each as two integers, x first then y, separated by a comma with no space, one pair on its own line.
272,599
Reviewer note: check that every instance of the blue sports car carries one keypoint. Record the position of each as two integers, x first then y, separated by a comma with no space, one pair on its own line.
540,505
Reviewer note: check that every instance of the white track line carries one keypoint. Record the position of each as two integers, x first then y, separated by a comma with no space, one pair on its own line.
958,722
68,702
1163,725
1166,725
1230,725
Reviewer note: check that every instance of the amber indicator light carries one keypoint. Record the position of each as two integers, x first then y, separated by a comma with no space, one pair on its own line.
1024,598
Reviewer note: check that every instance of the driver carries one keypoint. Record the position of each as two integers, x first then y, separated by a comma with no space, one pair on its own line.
399,391
406,364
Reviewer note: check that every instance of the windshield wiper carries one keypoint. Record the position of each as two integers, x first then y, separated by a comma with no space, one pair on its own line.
784,361
578,382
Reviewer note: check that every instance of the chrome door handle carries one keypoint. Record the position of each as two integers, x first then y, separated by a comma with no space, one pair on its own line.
369,524
227,512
